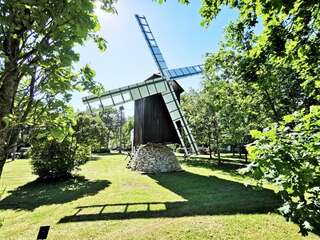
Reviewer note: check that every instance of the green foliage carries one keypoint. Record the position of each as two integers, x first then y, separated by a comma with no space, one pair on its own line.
280,67
126,132
281,61
37,51
109,117
62,145
90,131
55,160
222,113
113,120
288,155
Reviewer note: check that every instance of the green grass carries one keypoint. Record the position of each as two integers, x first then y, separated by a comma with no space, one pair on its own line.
111,202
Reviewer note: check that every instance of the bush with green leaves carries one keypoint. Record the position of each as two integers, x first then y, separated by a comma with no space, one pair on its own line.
288,155
54,160
61,146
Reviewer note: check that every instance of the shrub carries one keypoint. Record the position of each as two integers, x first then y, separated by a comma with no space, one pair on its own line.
59,147
54,160
288,155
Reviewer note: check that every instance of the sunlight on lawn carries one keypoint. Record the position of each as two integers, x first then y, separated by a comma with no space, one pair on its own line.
108,201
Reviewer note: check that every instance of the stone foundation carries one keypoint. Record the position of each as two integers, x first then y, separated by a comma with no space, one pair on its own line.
154,158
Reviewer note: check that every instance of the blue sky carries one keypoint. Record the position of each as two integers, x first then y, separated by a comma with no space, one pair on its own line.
127,60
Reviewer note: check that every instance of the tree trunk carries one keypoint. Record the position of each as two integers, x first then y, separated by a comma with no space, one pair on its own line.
276,115
3,151
210,149
13,139
8,91
218,150
107,140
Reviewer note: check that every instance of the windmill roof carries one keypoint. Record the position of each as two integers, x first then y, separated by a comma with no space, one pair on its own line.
176,85
153,76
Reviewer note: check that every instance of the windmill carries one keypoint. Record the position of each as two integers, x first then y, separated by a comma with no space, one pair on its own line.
160,94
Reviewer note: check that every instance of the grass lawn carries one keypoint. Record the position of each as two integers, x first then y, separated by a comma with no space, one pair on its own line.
111,202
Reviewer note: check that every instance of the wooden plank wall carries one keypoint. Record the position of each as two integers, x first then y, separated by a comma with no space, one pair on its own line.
152,122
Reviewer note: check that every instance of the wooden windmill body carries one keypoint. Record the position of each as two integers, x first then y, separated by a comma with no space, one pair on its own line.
152,122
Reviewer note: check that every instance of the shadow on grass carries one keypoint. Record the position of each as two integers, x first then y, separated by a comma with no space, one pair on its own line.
229,166
35,194
204,195
223,158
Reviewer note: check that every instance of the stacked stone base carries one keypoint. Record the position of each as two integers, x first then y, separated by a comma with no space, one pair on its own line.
154,158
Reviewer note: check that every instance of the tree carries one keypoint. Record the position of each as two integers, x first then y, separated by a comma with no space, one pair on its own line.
282,63
196,110
239,107
109,117
126,132
288,155
121,130
222,113
91,131
36,52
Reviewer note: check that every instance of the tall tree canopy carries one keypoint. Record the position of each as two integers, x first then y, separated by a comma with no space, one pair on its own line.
223,112
37,40
282,64
283,59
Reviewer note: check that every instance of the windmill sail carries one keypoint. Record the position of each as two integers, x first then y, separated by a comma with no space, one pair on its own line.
171,101
178,118
126,94
152,44
177,73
